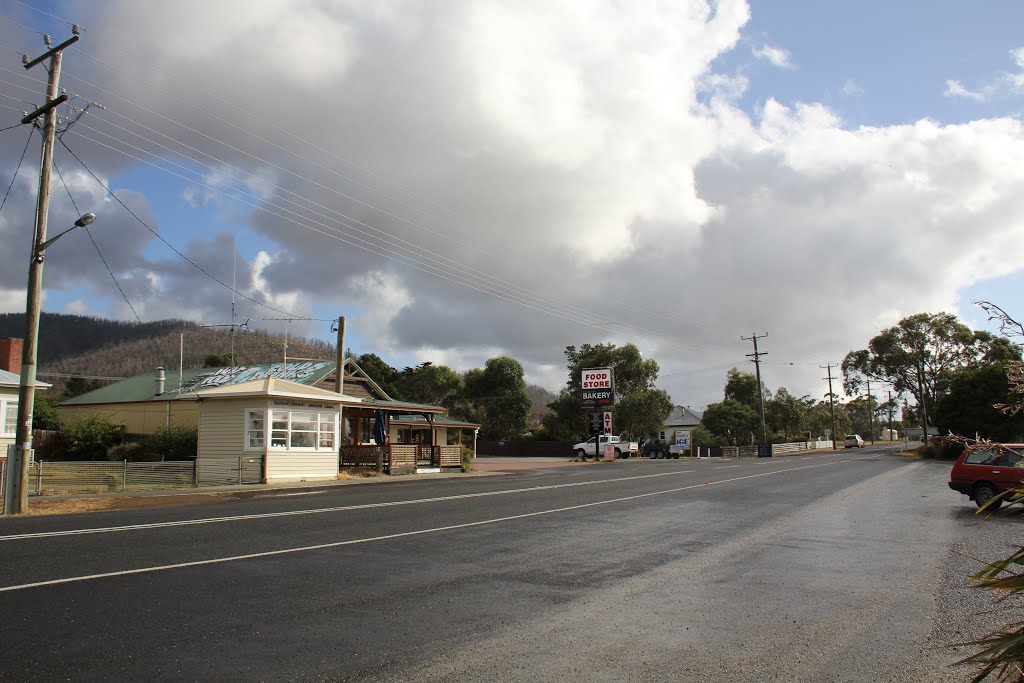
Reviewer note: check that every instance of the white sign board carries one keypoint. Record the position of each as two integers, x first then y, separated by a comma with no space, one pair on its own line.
597,378
609,451
683,438
607,424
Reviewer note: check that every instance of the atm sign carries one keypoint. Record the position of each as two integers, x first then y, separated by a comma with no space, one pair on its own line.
597,378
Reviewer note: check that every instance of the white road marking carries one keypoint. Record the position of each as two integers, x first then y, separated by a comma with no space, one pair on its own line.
317,511
404,534
725,467
288,495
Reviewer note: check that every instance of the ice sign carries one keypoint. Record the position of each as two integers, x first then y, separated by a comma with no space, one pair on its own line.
597,378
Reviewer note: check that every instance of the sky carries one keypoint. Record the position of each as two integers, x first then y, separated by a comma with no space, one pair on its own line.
469,179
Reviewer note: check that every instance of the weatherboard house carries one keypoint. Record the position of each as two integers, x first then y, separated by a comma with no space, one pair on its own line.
282,422
10,382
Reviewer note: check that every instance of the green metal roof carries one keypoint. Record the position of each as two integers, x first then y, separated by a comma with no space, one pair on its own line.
140,388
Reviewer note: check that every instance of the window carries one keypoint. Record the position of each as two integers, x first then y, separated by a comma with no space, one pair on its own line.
326,430
10,417
293,429
984,457
254,427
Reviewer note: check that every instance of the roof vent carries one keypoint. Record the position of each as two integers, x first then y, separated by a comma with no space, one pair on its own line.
158,382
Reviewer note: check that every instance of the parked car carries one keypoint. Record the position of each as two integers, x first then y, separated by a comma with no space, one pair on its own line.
984,473
594,447
853,441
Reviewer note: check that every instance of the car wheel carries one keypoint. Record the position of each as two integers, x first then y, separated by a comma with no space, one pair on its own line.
618,453
985,492
581,454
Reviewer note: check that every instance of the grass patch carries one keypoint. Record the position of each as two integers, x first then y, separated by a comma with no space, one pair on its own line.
358,473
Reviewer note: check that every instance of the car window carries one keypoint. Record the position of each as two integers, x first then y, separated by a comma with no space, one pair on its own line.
985,457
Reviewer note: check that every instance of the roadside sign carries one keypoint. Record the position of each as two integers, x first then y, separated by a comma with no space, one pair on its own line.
593,398
607,423
609,451
683,438
598,378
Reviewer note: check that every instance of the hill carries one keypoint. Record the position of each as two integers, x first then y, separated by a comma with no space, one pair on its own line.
79,345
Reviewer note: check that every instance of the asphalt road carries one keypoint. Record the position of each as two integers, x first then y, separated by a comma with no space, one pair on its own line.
822,567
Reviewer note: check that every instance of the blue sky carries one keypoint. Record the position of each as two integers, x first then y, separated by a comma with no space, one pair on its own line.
511,179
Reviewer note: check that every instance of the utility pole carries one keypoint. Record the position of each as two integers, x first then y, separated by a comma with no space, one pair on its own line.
757,365
831,401
890,416
16,495
871,413
339,374
924,408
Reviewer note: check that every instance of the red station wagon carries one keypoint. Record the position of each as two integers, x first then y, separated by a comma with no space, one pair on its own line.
987,472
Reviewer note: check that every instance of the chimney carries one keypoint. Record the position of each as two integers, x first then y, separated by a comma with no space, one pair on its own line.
158,382
10,355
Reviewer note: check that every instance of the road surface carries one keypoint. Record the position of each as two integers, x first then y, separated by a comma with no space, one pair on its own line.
826,567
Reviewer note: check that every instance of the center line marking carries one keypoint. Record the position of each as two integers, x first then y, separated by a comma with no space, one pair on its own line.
404,534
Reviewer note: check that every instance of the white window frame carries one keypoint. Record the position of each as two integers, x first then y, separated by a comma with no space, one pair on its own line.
324,428
262,412
5,406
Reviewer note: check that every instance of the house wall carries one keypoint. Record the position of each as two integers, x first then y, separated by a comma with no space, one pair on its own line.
144,417
222,440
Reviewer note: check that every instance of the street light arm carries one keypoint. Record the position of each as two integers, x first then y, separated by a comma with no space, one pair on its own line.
83,221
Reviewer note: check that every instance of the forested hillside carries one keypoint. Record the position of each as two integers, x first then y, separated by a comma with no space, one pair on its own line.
78,345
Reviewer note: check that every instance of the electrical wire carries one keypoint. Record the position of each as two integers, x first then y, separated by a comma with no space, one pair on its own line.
615,327
20,161
161,238
687,342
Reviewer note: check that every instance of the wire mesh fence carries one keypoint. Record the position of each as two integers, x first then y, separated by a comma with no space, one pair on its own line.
65,478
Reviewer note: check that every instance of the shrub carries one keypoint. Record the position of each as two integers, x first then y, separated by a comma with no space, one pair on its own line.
131,451
89,437
467,459
174,442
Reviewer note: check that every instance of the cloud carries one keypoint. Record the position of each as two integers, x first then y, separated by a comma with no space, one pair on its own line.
1002,84
956,89
471,179
852,88
776,56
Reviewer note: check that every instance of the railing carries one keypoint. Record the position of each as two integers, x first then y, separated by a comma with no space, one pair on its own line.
401,458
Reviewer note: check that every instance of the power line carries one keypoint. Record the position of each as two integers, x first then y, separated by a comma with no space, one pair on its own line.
20,161
411,260
160,237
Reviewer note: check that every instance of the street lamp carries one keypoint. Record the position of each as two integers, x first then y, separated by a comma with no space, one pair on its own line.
18,454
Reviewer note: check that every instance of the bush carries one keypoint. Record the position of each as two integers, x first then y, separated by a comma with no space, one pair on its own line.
89,437
174,442
467,459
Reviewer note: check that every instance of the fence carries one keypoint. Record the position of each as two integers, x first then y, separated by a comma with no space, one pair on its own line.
62,478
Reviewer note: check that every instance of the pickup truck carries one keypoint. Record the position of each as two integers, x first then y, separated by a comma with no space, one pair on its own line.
594,447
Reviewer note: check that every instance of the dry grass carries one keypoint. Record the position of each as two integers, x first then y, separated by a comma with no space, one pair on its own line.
64,507
358,473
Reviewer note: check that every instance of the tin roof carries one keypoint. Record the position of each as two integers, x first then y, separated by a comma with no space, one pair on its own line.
140,388
9,379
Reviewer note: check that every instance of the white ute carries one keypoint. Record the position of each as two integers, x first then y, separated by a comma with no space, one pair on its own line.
594,447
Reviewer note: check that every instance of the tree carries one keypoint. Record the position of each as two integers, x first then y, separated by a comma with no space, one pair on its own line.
968,407
428,383
174,442
220,360
633,374
785,413
44,413
379,371
89,437
76,386
496,397
919,356
733,423
742,387
643,412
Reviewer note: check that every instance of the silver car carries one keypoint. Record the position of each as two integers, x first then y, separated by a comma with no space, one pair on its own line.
853,441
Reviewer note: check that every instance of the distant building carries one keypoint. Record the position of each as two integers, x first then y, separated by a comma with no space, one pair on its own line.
10,381
680,419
